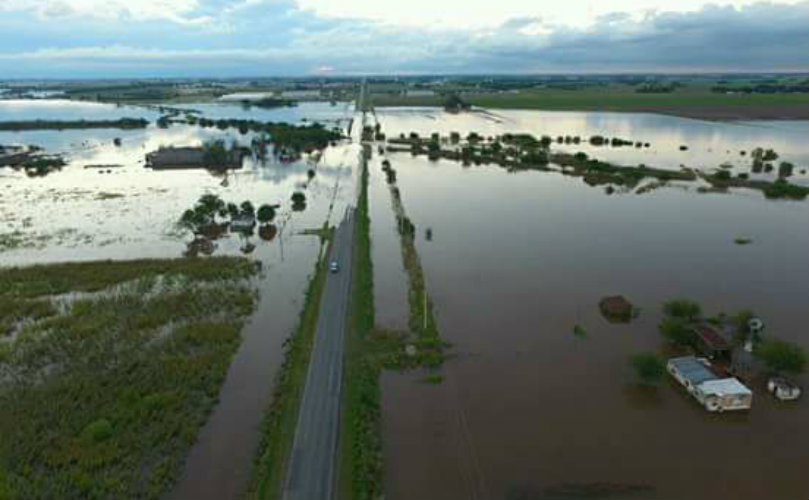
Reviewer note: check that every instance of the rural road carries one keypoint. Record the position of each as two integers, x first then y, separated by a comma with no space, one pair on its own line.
313,461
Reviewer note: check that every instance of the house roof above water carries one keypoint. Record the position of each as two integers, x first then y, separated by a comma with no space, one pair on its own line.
711,337
693,370
724,387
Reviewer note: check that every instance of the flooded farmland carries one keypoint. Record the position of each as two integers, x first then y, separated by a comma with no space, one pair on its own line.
516,260
118,209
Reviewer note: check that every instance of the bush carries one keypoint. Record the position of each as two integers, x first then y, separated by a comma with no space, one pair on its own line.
683,309
677,331
722,175
781,356
649,367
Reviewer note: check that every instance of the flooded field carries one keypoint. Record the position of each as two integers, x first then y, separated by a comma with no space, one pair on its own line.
709,145
515,260
126,211
527,409
323,112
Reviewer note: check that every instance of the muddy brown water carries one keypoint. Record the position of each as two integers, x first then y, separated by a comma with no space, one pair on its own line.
529,410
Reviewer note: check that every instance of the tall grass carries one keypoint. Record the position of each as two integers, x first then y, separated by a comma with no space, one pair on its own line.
104,398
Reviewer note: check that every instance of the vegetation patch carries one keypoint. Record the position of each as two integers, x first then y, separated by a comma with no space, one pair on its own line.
648,367
130,370
285,137
360,439
123,123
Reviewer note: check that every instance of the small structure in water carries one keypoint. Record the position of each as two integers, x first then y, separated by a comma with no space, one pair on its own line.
711,341
190,157
714,393
617,309
783,389
243,223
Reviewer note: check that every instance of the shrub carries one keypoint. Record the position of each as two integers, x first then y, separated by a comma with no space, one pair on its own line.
648,367
683,309
677,331
782,356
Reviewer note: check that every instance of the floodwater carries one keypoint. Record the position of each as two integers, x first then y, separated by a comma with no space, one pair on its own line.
530,410
710,144
321,112
79,213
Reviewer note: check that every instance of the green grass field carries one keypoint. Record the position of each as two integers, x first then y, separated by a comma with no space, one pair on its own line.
693,100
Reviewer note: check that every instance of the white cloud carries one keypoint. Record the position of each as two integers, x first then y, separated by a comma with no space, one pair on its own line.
483,14
173,10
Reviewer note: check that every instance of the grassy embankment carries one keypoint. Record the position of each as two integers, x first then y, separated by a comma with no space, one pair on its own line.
360,444
281,419
371,350
695,101
421,320
109,369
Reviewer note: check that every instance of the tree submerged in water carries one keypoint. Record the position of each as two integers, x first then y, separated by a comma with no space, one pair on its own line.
782,357
298,201
648,367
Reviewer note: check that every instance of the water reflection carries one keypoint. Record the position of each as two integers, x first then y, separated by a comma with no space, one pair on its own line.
524,257
710,144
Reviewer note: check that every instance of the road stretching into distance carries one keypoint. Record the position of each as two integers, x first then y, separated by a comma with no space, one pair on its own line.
313,461
312,469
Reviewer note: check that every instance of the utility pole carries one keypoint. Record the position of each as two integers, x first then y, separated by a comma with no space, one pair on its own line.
425,309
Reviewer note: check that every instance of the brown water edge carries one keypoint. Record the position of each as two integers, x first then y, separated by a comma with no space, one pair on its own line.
528,410
219,465
390,280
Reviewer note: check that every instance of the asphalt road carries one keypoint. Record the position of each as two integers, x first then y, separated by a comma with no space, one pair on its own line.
313,462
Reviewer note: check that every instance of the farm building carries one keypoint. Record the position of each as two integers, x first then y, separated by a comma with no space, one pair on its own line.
714,393
189,157
710,341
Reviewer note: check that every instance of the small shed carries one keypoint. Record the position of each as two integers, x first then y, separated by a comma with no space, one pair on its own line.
710,341
617,309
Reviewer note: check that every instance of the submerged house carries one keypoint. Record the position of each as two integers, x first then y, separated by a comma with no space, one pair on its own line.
711,342
190,157
714,393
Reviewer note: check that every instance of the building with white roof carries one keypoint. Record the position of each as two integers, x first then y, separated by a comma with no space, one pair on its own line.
716,394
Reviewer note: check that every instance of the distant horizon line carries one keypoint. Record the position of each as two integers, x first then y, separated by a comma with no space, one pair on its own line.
347,76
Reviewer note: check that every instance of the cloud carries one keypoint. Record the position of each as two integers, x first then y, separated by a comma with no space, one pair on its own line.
275,37
138,10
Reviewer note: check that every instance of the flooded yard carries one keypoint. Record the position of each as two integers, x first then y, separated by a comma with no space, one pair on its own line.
516,260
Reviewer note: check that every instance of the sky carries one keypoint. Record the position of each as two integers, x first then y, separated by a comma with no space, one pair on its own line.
237,38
